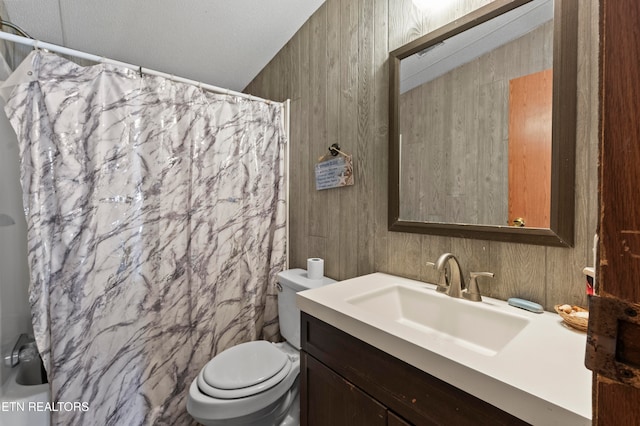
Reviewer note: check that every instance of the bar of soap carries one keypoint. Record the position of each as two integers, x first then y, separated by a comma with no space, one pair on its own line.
527,305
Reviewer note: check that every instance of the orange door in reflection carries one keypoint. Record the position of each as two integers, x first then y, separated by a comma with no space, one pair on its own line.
530,101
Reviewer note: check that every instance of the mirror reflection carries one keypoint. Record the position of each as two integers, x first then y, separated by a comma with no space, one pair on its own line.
474,117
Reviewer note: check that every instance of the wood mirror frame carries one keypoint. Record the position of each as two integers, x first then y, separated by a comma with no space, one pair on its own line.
564,108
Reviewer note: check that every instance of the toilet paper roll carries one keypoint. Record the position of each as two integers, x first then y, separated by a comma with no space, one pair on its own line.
315,268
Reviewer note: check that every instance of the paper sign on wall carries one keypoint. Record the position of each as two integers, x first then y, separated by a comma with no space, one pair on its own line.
334,172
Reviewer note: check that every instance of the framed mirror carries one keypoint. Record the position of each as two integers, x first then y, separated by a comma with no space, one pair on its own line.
483,126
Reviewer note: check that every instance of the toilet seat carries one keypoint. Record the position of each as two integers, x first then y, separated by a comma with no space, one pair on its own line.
209,410
244,370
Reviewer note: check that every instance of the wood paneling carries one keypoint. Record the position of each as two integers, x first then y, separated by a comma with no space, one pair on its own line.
381,136
354,38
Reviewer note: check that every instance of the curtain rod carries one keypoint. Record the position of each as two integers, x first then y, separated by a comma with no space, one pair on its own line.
20,31
101,59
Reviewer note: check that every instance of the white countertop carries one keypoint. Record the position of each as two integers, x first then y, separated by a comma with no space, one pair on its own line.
539,376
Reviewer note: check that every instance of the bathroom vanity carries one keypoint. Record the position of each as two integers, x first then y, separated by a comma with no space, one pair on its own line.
385,350
347,381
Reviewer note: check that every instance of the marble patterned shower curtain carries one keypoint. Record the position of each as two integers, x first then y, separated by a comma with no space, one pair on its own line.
156,226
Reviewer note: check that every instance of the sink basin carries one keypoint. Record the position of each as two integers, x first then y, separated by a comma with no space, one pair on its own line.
476,326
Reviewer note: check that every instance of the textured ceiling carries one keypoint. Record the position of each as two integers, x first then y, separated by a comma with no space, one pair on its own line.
221,42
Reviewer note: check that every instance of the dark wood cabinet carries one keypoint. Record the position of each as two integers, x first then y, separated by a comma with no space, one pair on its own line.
394,420
332,400
345,381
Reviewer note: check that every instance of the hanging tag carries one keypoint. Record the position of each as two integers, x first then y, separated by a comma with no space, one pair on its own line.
334,169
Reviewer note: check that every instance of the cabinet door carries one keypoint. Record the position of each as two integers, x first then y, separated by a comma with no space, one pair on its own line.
393,420
327,399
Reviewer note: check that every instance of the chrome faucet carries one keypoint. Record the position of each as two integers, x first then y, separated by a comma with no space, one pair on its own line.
25,350
451,281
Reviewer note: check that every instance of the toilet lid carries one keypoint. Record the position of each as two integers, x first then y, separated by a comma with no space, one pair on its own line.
243,392
244,365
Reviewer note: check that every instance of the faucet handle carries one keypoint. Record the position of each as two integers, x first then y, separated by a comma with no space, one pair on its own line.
473,291
481,274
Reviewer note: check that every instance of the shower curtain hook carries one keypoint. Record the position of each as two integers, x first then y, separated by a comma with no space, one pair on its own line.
140,70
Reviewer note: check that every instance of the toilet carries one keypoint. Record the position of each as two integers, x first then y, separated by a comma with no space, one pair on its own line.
256,383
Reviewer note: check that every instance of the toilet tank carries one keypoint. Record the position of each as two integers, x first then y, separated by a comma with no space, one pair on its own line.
290,282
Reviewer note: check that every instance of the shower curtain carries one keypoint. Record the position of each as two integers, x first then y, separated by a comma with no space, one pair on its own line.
155,219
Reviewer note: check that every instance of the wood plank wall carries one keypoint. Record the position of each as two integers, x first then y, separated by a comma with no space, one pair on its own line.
335,72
